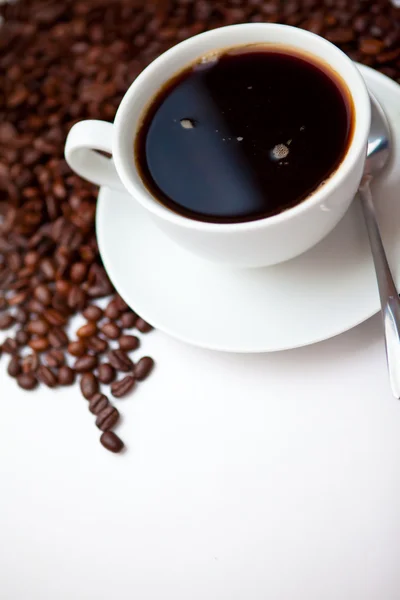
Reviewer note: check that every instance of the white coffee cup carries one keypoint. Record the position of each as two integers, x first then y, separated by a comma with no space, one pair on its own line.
257,243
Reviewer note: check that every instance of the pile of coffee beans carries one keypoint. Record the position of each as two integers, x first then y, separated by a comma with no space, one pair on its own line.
66,60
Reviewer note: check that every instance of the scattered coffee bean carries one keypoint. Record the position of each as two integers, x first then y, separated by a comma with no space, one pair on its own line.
6,321
111,441
89,385
78,272
123,386
66,375
111,330
43,294
143,368
106,373
143,326
120,361
98,403
57,338
39,344
54,358
371,46
21,315
30,363
107,418
120,304
128,342
87,330
39,327
27,381
54,317
112,312
34,306
85,363
14,366
10,346
18,299
128,320
22,337
93,313
77,348
97,344
46,376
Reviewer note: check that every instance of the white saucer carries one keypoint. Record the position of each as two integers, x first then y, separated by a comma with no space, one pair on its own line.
318,295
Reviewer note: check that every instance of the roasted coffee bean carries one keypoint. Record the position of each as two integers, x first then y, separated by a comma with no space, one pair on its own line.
96,344
66,375
14,366
87,330
371,46
128,320
22,337
77,348
31,258
63,287
34,306
89,385
85,363
97,403
93,313
111,441
30,363
77,298
120,361
57,338
54,317
21,315
39,344
48,268
111,330
78,272
106,373
6,321
128,342
107,418
112,311
43,294
123,386
55,358
142,326
59,303
38,327
143,368
9,346
120,304
27,381
18,299
46,376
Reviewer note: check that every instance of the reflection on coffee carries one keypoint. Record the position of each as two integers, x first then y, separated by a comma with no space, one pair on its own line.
244,135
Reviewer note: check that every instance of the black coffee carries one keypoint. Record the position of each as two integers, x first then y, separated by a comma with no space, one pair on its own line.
243,136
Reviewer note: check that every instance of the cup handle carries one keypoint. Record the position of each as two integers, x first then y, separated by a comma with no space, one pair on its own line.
82,142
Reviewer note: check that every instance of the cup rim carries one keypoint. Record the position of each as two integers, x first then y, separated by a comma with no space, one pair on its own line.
317,196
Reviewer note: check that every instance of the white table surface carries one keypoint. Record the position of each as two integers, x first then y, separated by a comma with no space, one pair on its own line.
246,477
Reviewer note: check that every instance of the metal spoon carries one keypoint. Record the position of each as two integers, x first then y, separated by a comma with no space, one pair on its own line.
379,142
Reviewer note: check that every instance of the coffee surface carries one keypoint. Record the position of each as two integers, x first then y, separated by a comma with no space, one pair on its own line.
244,135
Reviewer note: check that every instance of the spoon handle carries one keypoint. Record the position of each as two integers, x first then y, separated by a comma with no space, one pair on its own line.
390,302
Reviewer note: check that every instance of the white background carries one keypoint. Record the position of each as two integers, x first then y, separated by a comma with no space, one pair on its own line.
245,477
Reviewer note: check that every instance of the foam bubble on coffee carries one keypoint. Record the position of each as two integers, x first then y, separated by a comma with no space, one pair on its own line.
279,152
